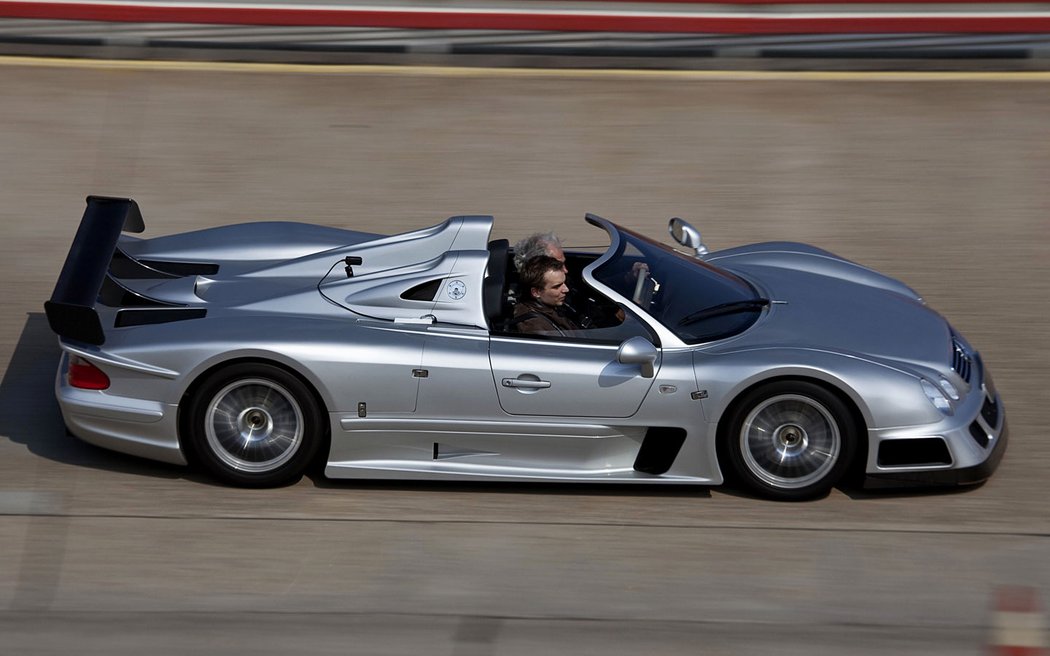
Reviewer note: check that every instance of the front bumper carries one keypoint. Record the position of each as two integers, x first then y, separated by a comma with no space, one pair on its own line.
975,437
962,476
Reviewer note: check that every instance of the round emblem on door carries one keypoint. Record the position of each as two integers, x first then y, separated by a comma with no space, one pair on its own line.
456,289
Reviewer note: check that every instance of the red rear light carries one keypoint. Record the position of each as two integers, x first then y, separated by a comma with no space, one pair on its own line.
85,375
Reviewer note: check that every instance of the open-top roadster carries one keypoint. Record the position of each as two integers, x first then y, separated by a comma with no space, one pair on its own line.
255,349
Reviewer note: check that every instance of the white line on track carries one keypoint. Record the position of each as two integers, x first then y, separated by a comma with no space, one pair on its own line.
541,73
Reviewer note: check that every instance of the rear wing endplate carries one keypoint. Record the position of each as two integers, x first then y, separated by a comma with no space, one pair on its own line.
71,310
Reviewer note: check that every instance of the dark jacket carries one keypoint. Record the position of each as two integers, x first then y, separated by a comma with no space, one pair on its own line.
531,316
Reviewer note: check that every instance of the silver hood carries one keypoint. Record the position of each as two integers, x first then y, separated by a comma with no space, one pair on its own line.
837,307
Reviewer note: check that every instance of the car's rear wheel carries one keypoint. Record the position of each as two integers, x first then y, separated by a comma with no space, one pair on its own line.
254,425
790,440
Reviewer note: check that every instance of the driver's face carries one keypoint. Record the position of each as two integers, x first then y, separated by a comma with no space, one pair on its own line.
554,289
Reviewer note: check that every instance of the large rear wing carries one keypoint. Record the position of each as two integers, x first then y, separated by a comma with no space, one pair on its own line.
71,310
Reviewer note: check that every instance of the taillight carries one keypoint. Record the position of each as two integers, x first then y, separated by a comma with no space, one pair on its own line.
85,375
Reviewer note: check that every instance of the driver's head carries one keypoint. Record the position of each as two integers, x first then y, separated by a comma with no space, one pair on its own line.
541,243
544,277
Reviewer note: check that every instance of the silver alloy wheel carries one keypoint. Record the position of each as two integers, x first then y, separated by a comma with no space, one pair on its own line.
254,425
790,441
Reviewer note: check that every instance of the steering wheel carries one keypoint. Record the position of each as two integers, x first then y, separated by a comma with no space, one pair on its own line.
643,293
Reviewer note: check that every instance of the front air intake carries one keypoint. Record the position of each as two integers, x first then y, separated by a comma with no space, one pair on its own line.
978,434
924,451
990,412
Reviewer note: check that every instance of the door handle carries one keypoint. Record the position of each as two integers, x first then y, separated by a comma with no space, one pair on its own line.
526,384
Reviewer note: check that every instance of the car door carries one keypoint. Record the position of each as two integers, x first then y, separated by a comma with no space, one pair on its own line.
577,376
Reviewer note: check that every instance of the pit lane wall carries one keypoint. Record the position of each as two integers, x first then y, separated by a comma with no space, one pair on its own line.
948,29
663,16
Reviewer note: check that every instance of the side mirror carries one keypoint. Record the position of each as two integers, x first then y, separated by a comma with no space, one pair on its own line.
687,236
639,351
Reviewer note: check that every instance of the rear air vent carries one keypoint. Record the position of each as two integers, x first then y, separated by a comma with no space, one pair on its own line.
124,266
114,294
422,292
183,268
145,317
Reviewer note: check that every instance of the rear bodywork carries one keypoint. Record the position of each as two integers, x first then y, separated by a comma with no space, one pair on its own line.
396,337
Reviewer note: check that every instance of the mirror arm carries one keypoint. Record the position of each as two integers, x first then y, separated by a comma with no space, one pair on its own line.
688,236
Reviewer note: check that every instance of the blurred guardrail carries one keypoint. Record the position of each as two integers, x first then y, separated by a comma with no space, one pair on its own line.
777,29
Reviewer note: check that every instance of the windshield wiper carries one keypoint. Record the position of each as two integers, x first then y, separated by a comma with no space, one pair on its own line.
722,309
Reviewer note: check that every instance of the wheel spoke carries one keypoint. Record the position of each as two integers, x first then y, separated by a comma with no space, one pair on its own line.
790,441
254,425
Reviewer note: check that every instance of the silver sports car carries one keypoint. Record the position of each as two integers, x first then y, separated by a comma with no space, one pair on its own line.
254,350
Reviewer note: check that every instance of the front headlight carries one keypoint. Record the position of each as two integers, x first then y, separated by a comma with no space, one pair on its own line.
936,397
949,389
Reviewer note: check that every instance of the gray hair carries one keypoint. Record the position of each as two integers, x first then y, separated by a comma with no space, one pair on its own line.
532,246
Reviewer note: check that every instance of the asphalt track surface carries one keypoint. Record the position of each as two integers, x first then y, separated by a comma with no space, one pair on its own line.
939,180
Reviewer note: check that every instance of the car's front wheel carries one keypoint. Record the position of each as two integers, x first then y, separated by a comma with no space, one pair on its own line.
790,440
254,425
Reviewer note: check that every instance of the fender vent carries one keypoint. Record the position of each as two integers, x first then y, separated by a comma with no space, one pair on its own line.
659,449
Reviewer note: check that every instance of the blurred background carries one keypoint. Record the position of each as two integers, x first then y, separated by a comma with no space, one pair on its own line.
914,139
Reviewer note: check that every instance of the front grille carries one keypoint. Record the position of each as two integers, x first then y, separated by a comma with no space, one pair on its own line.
962,364
978,434
990,412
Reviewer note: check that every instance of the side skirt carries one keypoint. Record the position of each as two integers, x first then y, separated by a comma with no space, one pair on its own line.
414,449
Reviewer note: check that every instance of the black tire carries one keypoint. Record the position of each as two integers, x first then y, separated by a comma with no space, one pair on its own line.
790,440
254,425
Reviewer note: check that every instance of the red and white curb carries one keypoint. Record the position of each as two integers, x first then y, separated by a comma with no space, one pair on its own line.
729,17
1018,623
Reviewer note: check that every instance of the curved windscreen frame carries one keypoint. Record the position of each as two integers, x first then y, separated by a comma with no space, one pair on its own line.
672,290
667,338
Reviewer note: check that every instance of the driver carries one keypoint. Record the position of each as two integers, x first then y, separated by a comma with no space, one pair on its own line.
576,305
542,311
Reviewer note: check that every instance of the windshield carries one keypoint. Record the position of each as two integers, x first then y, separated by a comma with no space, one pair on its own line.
695,300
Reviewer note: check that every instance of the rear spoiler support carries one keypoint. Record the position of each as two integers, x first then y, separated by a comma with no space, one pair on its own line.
71,312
